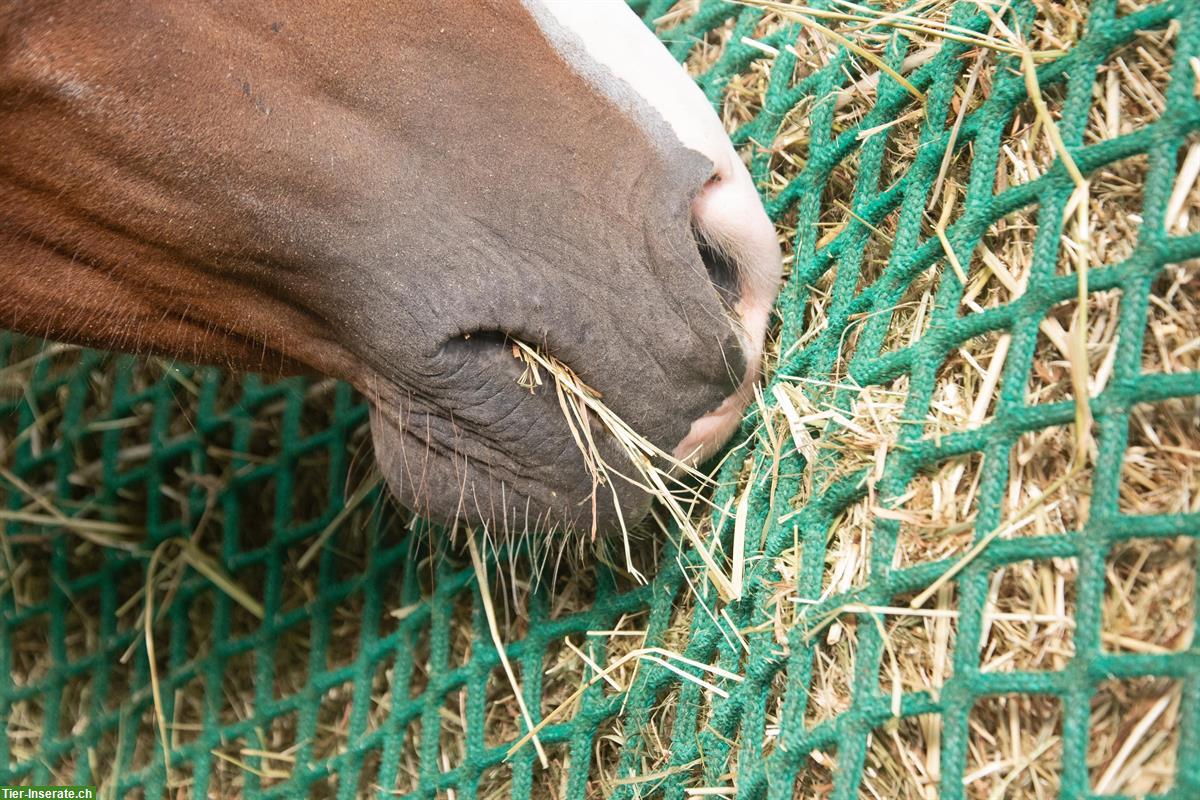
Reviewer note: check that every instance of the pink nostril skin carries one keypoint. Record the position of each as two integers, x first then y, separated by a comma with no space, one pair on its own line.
729,213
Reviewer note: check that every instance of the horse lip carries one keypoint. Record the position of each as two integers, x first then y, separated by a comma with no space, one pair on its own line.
708,433
712,430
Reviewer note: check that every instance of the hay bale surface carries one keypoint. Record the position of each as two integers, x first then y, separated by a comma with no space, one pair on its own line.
921,421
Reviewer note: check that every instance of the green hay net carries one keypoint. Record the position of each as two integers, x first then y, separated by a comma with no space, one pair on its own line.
379,652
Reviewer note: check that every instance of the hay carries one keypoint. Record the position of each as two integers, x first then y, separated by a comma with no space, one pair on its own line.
1030,611
122,530
1015,745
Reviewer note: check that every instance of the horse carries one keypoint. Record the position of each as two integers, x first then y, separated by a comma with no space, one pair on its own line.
389,192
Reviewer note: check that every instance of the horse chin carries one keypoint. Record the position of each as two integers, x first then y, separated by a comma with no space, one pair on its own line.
528,476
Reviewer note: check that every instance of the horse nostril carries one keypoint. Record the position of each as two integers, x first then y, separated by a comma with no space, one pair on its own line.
722,269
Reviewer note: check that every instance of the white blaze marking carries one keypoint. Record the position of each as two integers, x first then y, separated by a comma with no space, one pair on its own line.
616,39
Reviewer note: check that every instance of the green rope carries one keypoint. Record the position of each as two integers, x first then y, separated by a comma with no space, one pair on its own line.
390,685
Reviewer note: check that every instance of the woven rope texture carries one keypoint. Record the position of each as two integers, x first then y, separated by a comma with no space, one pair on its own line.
371,670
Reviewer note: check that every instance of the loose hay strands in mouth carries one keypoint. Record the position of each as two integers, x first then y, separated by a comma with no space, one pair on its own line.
580,403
